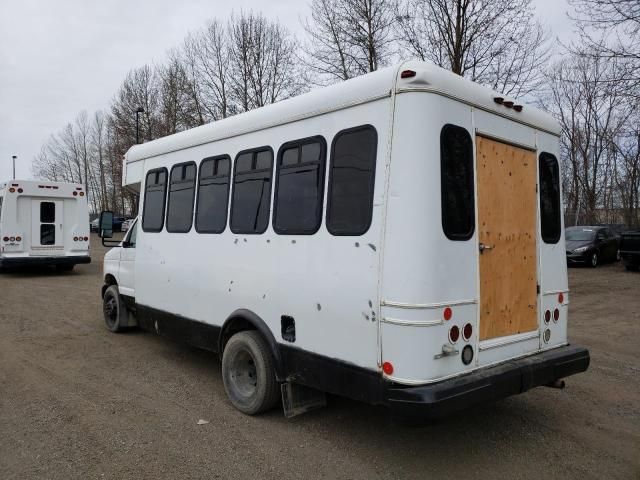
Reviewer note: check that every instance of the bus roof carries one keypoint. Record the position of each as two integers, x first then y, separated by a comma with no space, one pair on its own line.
362,89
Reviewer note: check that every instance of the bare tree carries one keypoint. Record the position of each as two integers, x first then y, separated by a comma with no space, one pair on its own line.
262,62
347,38
497,43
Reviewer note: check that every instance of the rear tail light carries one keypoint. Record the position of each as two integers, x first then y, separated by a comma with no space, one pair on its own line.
447,314
18,239
467,331
20,190
454,334
5,239
86,239
547,316
387,368
75,239
560,298
556,315
75,194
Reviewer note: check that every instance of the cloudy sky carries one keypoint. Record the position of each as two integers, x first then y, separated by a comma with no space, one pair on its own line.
60,57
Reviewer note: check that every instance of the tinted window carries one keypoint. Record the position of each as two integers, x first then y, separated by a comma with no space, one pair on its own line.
213,195
47,234
251,191
181,193
457,192
299,187
351,181
549,198
47,212
154,196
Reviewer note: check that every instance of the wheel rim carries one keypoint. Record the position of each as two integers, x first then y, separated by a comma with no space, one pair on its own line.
110,311
243,374
594,259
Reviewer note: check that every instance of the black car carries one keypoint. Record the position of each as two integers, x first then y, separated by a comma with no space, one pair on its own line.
591,245
630,250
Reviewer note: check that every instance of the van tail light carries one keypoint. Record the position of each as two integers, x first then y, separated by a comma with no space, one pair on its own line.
547,316
556,315
447,314
454,334
561,298
86,239
467,331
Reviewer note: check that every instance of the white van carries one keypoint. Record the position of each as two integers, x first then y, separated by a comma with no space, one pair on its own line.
396,238
43,223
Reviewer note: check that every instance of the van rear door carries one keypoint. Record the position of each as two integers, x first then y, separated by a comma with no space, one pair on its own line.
507,213
47,233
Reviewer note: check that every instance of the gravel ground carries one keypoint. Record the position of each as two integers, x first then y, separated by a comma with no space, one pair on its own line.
79,402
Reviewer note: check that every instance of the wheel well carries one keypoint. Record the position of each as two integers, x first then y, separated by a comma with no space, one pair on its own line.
242,320
108,281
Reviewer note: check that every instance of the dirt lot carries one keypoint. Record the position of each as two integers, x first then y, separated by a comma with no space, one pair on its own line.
79,402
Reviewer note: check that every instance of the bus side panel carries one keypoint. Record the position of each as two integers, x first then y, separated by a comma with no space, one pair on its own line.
327,283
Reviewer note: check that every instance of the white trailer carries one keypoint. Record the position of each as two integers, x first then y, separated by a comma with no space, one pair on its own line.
396,238
43,223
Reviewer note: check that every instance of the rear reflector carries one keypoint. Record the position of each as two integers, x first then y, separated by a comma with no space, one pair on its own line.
387,368
447,314
560,298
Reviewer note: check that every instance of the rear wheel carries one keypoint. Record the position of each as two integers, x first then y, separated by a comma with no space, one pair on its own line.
594,260
248,373
114,309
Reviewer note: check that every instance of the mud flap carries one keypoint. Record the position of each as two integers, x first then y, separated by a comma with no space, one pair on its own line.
298,399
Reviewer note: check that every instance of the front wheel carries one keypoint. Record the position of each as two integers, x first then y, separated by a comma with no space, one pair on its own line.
594,260
114,309
248,373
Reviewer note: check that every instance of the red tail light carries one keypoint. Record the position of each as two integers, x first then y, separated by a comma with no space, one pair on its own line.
547,316
454,334
508,103
447,314
560,298
467,331
556,315
387,368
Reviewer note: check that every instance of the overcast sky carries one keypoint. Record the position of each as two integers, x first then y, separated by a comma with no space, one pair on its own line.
60,57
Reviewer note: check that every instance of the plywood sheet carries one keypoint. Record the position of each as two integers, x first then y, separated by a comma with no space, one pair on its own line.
507,210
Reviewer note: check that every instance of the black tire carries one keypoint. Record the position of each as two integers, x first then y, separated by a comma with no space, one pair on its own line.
593,261
114,310
248,373
64,268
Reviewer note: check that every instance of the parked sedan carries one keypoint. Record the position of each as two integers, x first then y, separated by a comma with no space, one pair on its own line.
591,245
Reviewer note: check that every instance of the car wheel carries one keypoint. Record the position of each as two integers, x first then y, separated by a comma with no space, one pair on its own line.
248,373
114,309
594,260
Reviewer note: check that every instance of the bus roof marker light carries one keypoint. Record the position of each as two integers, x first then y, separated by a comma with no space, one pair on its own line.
408,74
498,100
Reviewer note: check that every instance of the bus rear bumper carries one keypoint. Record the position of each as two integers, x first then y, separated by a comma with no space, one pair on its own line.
429,402
18,262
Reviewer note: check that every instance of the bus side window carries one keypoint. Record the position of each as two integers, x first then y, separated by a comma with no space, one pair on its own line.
181,192
297,207
550,225
351,181
154,200
456,183
213,194
251,191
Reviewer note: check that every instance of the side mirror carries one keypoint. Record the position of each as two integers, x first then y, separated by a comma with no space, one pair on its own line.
106,225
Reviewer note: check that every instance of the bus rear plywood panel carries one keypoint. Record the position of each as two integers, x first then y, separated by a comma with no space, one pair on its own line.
507,212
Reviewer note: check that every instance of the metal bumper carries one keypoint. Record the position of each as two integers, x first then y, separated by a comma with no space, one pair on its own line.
489,384
16,262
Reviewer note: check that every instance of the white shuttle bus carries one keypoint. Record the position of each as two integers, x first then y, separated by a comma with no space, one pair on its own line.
396,238
43,223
